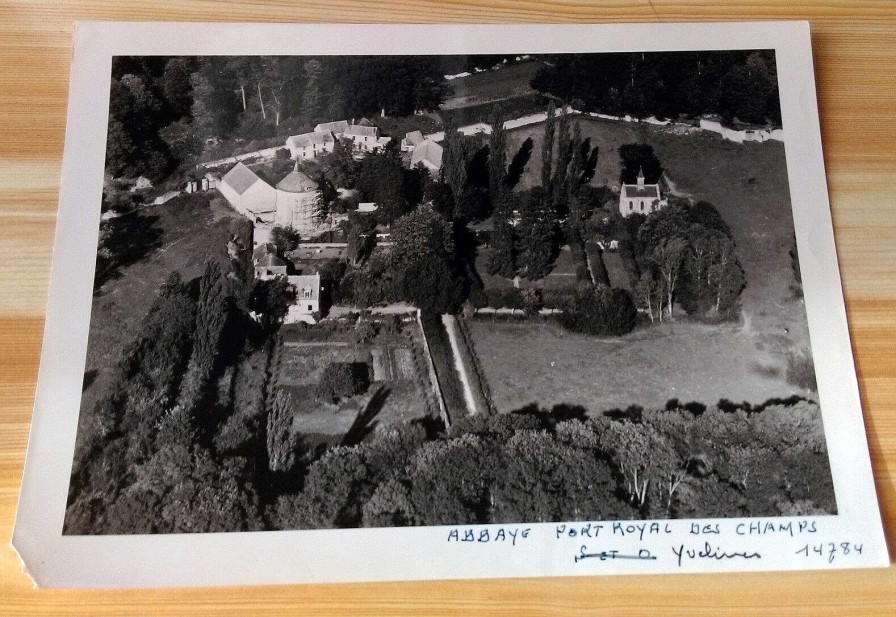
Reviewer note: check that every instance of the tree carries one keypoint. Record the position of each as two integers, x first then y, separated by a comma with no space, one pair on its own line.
176,85
538,236
455,158
649,293
389,506
211,314
280,440
503,255
313,97
668,257
284,239
547,148
342,380
544,479
601,311
639,158
497,161
450,481
425,267
532,301
271,299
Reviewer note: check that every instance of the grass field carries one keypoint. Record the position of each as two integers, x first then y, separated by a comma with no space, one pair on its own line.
748,184
540,363
510,81
187,234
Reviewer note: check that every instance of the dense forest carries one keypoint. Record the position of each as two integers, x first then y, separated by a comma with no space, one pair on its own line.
164,110
732,84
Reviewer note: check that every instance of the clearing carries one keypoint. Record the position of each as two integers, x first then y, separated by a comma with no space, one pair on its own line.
511,80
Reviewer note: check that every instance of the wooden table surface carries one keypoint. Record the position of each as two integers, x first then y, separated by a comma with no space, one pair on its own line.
855,53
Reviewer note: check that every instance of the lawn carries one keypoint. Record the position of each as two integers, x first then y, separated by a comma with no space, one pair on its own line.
540,363
186,233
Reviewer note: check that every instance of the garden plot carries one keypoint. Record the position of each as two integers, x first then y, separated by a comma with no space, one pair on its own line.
399,390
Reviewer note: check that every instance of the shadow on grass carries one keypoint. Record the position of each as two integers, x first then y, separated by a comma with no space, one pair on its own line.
124,241
364,423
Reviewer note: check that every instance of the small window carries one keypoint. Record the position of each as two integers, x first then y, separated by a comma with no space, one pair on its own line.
310,308
631,205
642,206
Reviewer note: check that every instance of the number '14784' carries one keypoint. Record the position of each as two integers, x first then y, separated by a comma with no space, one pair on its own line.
830,550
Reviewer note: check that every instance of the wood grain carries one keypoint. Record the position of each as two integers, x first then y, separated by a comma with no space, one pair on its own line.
855,52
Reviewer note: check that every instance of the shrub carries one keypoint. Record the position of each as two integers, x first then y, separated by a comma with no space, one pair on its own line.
343,380
603,311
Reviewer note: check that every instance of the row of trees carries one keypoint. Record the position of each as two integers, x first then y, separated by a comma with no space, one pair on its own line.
733,84
534,466
686,255
156,462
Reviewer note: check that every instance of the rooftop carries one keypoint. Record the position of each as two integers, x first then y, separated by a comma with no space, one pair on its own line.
427,152
648,190
307,285
337,126
309,139
240,178
269,260
363,131
296,182
413,138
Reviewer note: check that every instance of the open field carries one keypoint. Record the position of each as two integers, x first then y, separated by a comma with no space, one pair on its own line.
540,363
507,82
185,233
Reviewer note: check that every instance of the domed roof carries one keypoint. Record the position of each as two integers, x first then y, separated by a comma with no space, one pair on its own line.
296,182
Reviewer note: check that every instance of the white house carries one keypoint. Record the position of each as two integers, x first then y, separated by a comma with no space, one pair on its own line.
308,289
640,198
309,145
365,138
248,194
429,154
297,201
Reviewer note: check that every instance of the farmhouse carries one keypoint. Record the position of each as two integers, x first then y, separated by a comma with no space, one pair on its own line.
309,145
248,194
640,198
429,154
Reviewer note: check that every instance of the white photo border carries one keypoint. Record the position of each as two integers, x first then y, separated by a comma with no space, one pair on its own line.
282,557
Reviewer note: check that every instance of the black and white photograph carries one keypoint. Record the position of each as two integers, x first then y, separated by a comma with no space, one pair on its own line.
368,291
453,302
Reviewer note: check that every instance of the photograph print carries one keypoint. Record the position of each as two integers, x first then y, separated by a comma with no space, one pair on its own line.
383,291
